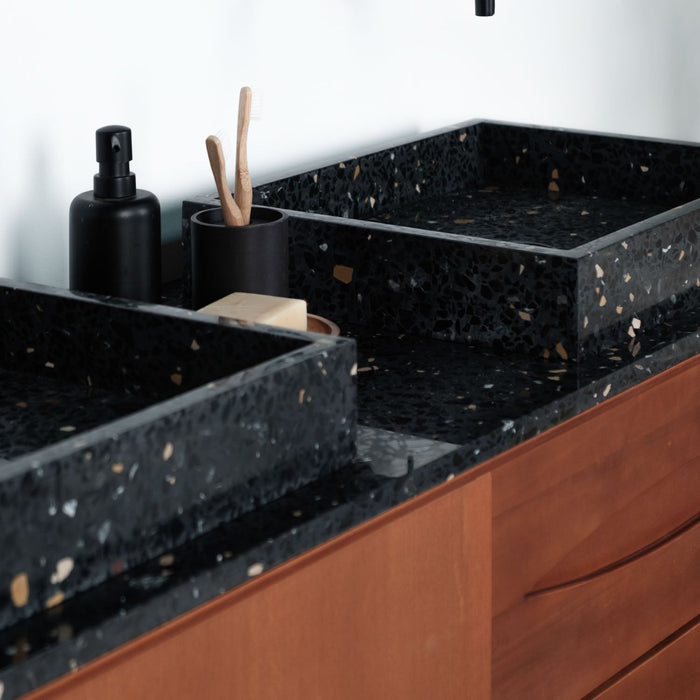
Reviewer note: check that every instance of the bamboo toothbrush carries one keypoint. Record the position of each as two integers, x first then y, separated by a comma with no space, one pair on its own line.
231,211
242,190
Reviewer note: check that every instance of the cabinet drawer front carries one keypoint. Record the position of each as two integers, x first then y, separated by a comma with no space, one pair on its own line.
564,642
598,490
672,672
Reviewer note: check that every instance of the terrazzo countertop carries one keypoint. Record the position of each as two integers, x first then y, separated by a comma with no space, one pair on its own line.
427,410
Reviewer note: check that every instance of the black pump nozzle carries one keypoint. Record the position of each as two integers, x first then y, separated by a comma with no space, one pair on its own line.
113,146
485,8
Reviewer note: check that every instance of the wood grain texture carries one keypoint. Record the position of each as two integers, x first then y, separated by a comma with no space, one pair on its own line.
229,209
242,189
398,608
566,642
597,489
595,550
673,672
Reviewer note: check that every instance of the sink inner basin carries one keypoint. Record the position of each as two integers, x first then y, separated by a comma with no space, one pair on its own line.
37,411
522,216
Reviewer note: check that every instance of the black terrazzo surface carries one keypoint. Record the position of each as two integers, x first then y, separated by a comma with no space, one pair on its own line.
522,216
456,393
127,429
465,347
555,163
60,408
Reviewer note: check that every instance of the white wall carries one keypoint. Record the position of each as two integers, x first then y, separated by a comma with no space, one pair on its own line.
338,78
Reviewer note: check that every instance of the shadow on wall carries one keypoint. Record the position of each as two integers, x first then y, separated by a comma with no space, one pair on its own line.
171,236
40,228
684,102
659,61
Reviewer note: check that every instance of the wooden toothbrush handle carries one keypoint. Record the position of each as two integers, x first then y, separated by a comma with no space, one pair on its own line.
232,214
242,189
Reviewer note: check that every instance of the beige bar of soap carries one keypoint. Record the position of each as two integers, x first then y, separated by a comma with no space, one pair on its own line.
261,308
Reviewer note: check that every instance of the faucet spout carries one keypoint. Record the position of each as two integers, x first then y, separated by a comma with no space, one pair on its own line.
485,8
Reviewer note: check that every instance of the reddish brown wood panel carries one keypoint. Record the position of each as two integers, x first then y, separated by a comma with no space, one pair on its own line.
399,607
597,516
673,672
599,488
566,642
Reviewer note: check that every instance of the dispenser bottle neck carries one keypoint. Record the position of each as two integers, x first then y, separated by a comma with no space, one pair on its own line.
113,147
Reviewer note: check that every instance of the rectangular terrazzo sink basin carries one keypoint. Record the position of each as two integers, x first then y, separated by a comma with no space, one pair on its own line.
536,240
128,429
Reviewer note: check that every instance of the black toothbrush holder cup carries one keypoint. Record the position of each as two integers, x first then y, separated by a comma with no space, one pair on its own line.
226,259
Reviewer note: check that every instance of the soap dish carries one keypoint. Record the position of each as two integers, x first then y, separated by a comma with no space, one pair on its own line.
318,324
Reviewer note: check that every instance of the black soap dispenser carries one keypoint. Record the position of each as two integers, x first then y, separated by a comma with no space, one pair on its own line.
114,230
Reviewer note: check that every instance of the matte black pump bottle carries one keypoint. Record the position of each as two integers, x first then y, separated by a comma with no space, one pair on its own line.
114,229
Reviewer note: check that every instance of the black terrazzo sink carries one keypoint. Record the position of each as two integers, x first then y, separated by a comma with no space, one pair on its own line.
128,429
526,239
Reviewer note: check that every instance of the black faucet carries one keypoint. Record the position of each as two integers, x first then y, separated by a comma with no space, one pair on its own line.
485,8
